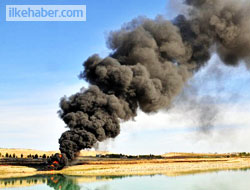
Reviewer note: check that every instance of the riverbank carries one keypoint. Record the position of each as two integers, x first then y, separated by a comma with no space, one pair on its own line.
169,167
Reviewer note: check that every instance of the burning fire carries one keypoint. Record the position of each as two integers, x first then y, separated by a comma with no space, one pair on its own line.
54,180
57,162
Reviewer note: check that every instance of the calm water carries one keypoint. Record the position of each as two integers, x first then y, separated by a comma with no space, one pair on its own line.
223,180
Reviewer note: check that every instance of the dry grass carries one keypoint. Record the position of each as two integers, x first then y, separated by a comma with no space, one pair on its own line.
182,154
172,168
142,167
104,167
151,161
27,152
16,171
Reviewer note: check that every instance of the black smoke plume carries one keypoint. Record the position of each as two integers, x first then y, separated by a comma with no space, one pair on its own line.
150,63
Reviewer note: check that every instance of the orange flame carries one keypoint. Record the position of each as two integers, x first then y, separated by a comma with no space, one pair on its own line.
55,162
60,155
54,180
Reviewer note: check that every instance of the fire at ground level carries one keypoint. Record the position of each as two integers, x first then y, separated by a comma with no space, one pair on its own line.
59,161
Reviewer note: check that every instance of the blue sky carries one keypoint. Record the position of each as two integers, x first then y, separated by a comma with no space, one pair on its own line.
35,55
40,62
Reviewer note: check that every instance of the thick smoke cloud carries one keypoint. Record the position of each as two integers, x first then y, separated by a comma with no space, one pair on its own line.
150,64
224,23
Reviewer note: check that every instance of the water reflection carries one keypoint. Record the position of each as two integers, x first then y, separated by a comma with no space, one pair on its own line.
57,182
62,182
103,187
222,180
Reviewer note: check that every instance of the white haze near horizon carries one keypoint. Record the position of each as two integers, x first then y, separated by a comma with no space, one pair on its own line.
35,125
